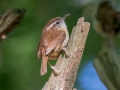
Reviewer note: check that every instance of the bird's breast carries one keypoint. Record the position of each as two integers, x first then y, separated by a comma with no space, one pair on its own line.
54,54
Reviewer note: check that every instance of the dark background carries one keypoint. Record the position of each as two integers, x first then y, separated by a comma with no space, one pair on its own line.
19,66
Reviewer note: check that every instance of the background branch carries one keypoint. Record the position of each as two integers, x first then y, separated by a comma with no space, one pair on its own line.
9,20
69,66
107,65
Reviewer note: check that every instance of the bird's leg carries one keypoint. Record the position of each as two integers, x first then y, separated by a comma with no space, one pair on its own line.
66,53
55,71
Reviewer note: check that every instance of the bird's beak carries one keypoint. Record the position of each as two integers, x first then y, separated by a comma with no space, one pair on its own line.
65,16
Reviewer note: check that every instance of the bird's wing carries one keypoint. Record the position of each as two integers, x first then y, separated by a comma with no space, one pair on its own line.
51,38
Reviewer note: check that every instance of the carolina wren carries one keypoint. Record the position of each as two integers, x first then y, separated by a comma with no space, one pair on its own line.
53,41
107,20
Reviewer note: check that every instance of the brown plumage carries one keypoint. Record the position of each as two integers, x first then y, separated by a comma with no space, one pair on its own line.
54,38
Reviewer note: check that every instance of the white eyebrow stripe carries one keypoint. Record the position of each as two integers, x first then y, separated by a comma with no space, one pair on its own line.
51,25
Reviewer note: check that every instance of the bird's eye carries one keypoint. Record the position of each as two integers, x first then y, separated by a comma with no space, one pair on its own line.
57,22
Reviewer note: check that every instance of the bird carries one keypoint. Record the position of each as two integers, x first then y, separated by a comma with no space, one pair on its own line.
53,41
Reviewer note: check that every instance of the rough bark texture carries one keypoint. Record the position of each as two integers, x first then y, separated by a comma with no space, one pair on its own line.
107,65
69,66
9,20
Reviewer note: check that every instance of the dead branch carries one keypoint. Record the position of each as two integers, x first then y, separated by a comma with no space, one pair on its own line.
107,65
69,66
9,20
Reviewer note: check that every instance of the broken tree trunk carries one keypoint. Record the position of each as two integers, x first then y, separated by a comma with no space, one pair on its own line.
69,66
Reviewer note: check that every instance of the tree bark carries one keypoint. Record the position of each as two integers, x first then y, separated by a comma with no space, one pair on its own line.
69,66
107,65
9,20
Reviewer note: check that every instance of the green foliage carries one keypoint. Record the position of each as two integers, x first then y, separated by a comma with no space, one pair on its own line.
19,66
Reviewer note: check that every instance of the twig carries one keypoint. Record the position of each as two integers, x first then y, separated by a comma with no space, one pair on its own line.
69,66
9,20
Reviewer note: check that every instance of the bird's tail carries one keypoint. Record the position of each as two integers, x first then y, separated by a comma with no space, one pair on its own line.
43,63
